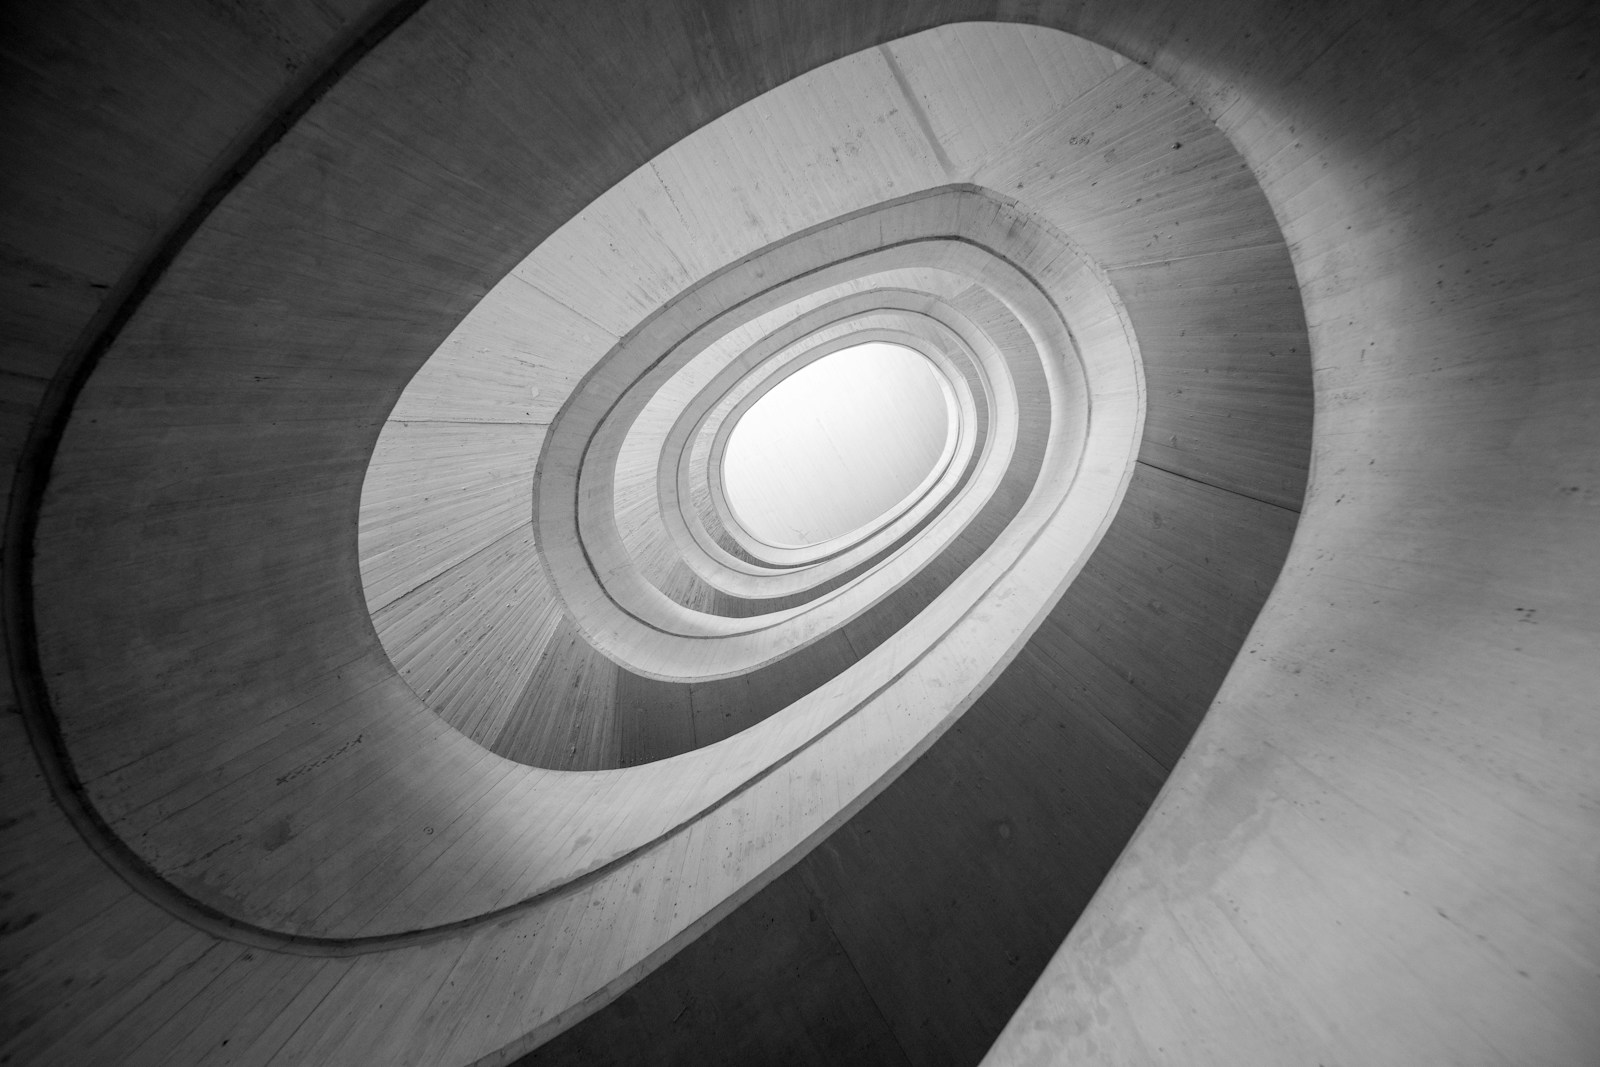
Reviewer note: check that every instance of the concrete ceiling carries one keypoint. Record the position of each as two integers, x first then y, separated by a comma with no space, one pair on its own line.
292,785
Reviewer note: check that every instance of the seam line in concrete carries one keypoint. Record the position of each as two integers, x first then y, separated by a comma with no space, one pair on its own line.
1220,488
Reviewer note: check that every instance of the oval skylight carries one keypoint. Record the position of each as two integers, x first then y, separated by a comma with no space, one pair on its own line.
835,445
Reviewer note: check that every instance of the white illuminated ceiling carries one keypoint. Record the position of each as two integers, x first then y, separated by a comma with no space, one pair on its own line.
835,445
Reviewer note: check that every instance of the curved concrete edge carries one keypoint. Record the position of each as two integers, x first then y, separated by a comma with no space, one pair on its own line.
569,556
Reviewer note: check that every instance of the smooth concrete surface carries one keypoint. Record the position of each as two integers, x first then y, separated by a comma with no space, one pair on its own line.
1379,848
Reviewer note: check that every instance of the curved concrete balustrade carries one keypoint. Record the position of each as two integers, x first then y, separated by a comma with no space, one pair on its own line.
938,229
583,551
1378,848
698,549
793,660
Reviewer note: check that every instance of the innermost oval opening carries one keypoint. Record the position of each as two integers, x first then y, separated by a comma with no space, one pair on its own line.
835,445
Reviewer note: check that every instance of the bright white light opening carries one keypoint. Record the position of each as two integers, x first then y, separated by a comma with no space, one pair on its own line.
836,445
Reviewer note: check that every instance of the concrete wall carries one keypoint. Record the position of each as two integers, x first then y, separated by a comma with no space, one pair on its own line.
1379,848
